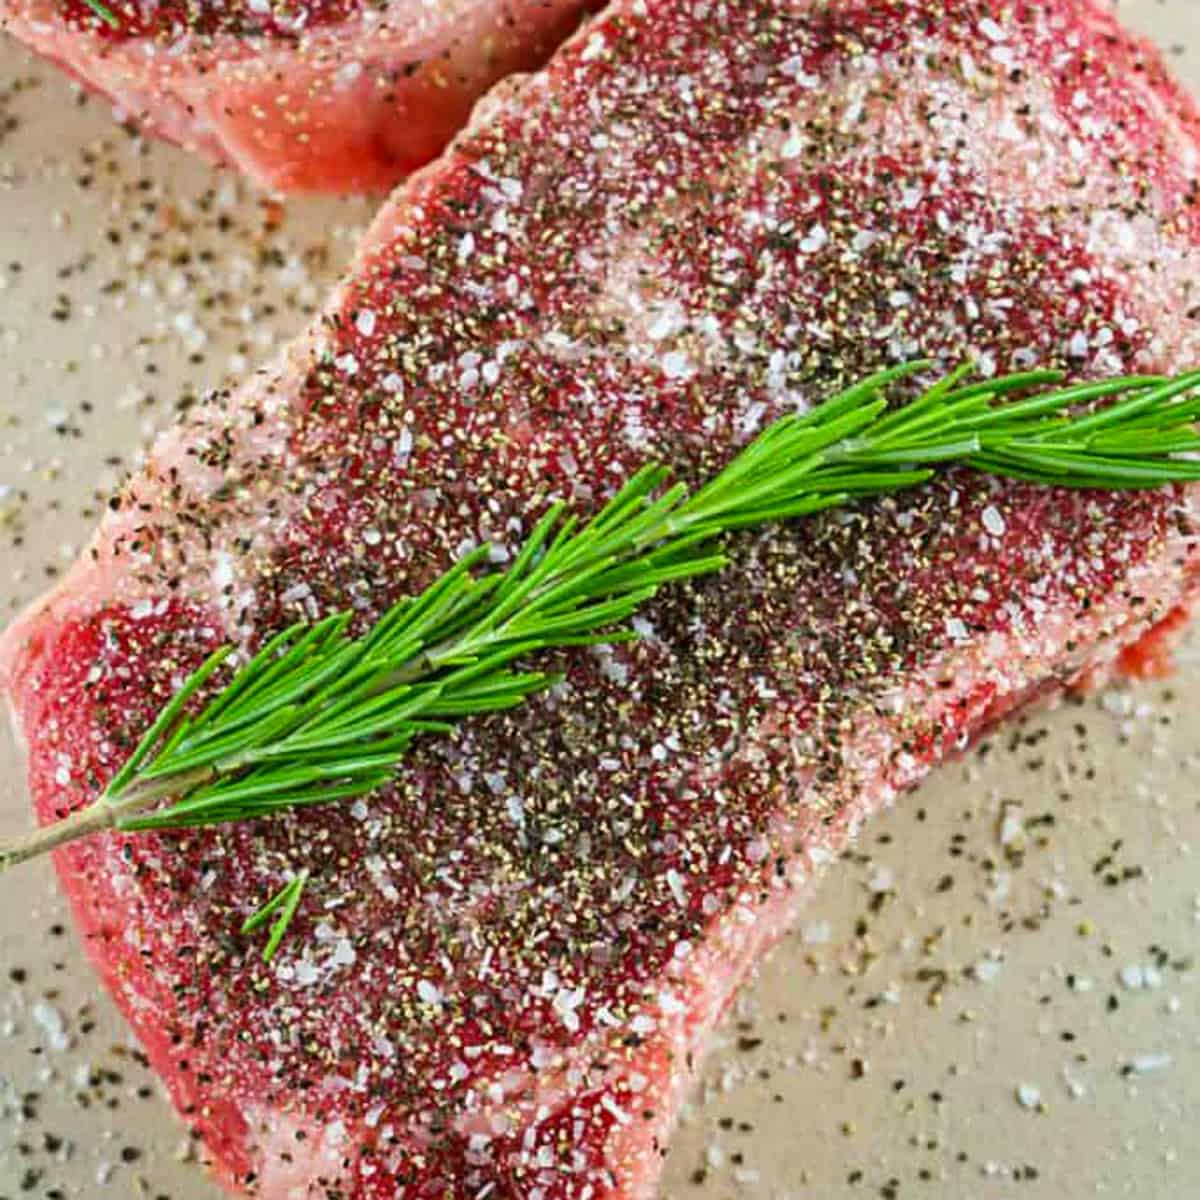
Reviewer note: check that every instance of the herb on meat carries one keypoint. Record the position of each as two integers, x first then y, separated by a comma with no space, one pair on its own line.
318,715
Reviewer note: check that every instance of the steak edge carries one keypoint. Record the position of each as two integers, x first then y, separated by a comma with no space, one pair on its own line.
351,104
507,964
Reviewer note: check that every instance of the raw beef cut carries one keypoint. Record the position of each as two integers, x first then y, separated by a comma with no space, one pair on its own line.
504,971
304,95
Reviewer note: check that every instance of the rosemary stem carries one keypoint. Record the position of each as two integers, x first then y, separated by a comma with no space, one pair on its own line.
105,813
95,818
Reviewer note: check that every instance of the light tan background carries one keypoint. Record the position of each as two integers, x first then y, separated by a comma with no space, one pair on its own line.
995,996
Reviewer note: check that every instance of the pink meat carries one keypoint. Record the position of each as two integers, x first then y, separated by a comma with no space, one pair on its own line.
309,96
701,214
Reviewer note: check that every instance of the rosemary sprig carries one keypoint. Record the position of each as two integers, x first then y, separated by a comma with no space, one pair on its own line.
105,13
318,715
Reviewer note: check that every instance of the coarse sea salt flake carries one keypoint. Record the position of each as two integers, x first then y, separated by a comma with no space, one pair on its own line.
428,992
987,969
1132,977
881,880
306,974
51,1023
816,934
595,47
814,239
677,365
793,146
956,629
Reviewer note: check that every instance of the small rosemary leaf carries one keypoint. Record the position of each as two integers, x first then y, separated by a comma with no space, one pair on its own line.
1017,381
678,548
603,612
1138,444
782,510
439,610
1093,471
1181,412
508,693
165,718
950,415
602,637
570,589
499,657
286,914
296,652
1048,402
183,728
331,712
720,507
249,673
629,496
356,757
1116,471
514,577
302,668
864,481
450,622
934,400
264,913
221,748
932,452
1139,402
675,572
215,812
859,392
285,902
808,440
104,13
379,717
653,511
642,572
394,619
424,726
995,463
433,599
563,534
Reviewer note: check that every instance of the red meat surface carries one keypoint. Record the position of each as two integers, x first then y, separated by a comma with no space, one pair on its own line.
300,95
504,972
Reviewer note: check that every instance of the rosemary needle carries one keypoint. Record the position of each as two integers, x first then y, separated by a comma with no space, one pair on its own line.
285,902
105,13
318,715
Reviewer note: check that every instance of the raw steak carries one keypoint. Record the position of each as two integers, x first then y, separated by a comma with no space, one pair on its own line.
307,95
700,215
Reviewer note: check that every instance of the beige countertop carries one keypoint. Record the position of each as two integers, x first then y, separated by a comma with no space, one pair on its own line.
994,996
